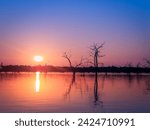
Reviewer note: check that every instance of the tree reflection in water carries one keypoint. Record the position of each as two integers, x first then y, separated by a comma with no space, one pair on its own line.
70,86
97,93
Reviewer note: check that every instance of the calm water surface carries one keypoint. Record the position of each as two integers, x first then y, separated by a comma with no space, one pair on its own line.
54,92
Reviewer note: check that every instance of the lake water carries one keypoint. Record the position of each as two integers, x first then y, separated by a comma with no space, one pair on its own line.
60,92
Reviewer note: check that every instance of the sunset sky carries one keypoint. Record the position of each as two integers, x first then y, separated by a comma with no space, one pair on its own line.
50,27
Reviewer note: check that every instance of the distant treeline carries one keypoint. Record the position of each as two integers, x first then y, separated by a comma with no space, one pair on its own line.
110,69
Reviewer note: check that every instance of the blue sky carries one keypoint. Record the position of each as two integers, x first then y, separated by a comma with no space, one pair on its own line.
50,27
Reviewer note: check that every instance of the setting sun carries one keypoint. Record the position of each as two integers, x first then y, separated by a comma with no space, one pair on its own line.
38,58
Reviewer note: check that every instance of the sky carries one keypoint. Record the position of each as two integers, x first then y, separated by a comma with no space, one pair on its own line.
51,27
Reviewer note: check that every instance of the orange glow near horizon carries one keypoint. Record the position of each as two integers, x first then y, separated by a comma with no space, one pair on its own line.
38,58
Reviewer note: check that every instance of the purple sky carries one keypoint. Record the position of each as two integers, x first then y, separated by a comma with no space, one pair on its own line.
48,28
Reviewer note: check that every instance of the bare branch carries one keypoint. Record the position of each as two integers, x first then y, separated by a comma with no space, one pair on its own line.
95,51
101,46
80,63
67,56
87,62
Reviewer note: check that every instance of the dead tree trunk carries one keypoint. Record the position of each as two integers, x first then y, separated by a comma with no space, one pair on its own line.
95,51
72,67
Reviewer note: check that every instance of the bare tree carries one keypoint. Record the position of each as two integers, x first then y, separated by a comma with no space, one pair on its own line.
95,53
67,56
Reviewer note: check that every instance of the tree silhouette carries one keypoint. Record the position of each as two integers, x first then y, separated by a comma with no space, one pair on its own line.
67,56
95,53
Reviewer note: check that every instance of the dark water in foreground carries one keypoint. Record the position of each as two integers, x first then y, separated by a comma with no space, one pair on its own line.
54,92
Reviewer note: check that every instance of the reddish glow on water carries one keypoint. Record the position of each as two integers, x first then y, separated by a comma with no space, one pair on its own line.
54,92
37,83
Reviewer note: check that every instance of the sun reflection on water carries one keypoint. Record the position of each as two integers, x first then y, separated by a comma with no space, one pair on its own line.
37,83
